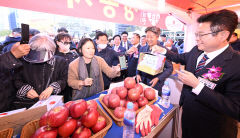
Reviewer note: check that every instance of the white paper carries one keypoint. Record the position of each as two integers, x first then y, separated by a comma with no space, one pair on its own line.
51,102
12,112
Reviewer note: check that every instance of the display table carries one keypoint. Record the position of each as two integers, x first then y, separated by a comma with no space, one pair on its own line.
168,114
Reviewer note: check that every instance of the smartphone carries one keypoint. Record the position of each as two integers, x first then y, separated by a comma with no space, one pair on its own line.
122,61
24,33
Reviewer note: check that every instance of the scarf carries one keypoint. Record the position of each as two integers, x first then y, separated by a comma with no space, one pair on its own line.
96,87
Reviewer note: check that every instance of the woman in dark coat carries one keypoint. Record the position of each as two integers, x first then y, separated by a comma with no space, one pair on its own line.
42,73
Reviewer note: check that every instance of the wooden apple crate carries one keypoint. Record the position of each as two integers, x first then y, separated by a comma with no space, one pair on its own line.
30,128
118,121
6,133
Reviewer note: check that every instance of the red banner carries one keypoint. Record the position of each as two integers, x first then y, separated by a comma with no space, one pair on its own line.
105,10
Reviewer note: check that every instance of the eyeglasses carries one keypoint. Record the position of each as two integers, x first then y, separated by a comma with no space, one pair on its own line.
66,43
199,35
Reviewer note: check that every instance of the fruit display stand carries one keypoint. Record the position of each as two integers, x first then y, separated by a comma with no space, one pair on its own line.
29,129
119,121
168,114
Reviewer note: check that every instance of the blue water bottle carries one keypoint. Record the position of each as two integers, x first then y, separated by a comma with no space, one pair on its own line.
165,99
129,121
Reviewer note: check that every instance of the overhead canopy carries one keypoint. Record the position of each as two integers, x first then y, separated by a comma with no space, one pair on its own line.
203,6
134,12
105,10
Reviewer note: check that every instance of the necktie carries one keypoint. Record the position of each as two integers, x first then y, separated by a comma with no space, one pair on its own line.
201,63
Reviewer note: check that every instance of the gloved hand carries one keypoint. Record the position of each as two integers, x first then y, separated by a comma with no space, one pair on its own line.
144,121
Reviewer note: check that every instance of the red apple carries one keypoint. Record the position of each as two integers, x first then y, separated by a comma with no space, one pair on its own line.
79,123
114,90
43,120
149,93
92,104
133,94
122,92
113,101
123,102
101,123
57,116
67,128
82,132
139,88
105,100
129,83
78,108
119,112
45,132
142,101
68,104
90,117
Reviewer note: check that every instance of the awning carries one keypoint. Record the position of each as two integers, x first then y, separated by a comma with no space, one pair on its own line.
104,10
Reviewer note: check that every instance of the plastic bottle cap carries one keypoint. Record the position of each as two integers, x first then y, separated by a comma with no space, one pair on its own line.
130,105
166,83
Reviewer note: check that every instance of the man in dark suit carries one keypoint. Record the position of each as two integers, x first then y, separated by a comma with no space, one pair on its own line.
8,62
108,54
117,47
210,96
155,81
132,55
125,43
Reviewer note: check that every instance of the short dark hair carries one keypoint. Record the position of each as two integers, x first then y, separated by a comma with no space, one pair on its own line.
156,30
83,42
221,20
138,36
117,36
124,32
163,35
33,32
61,36
101,34
143,35
62,29
17,30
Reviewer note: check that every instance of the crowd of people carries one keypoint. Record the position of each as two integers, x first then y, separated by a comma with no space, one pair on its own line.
57,65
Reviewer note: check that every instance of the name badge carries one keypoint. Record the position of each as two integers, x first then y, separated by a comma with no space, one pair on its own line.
207,83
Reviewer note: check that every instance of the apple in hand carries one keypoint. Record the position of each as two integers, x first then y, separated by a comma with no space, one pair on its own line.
57,116
68,127
78,108
45,132
101,123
